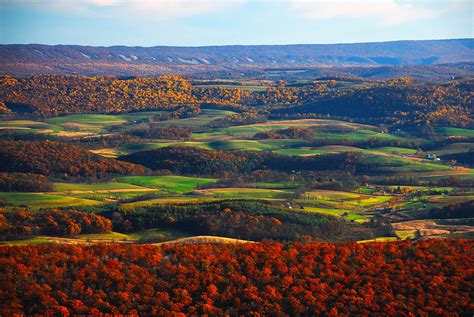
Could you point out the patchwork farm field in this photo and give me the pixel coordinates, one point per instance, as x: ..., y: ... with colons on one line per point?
x: 371, y: 199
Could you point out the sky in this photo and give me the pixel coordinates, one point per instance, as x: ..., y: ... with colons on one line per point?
x: 228, y: 22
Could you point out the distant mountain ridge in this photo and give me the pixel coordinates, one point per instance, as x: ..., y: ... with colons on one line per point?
x: 19, y: 59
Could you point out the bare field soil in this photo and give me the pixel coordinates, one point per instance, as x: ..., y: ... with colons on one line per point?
x: 427, y: 228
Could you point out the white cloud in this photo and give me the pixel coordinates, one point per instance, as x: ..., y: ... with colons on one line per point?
x: 384, y: 12
x: 154, y: 9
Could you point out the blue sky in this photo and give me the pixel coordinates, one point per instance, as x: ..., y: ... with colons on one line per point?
x: 224, y: 22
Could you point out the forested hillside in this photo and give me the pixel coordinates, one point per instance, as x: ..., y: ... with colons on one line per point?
x: 424, y: 278
x: 60, y: 160
x: 20, y: 224
x: 192, y: 160
x: 399, y: 102
x: 70, y: 94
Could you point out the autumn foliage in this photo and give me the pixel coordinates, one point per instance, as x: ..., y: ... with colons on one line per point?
x: 24, y: 182
x: 24, y: 224
x: 194, y: 160
x: 241, y: 219
x: 59, y: 159
x: 79, y: 94
x: 426, y: 278
x: 400, y: 101
x: 289, y: 133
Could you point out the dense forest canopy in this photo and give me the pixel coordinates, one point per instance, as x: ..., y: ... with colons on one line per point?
x: 18, y: 224
x: 72, y: 94
x: 431, y: 277
x: 400, y: 102
x: 59, y: 160
x: 24, y: 182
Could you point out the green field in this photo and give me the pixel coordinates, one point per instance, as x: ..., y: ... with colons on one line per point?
x: 158, y: 233
x: 76, y: 125
x: 131, y: 148
x: 83, y: 124
x: 400, y: 164
x: 170, y: 199
x: 206, y: 116
x: 395, y: 150
x: 40, y: 200
x: 331, y: 195
x: 449, y: 199
x: 248, y: 131
x: 28, y: 126
x: 246, y: 193
x: 177, y: 184
x: 454, y: 148
x: 32, y: 241
x: 302, y: 151
x: 102, y: 192
x: 423, y: 188
x: 465, y: 173
x: 116, y: 196
x: 97, y: 119
x: 359, y: 135
x: 348, y: 214
x: 339, y: 200
x: 279, y: 184
x: 64, y: 187
x: 379, y: 239
x: 137, y: 147
x: 102, y: 236
x: 241, y: 145
x: 155, y: 235
x: 450, y: 131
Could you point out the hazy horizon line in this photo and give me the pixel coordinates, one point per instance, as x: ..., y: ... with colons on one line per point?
x: 224, y: 45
